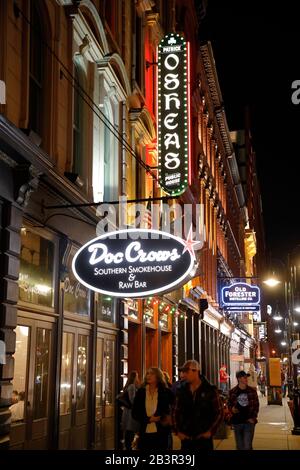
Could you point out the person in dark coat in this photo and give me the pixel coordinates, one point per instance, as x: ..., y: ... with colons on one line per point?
x: 129, y: 425
x: 152, y: 409
x: 198, y: 410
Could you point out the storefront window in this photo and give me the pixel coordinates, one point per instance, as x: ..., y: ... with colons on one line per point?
x: 108, y: 365
x: 20, y: 373
x: 163, y: 321
x: 131, y: 307
x: 81, y: 372
x: 99, y: 367
x: 36, y: 269
x: 66, y: 373
x: 76, y: 296
x: 148, y: 315
x: 41, y: 372
x: 106, y: 309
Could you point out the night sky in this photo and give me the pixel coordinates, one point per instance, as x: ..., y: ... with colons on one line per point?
x: 256, y: 46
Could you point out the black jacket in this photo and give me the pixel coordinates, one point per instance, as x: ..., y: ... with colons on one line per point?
x: 164, y: 403
x: 199, y: 412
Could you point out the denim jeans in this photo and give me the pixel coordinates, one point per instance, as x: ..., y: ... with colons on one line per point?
x: 244, y: 433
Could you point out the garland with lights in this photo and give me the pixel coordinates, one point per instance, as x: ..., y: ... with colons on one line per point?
x: 164, y: 307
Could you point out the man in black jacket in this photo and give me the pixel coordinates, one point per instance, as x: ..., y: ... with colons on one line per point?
x: 198, y: 410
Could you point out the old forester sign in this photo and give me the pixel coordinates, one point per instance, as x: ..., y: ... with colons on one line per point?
x: 134, y: 262
x: 241, y: 295
x: 173, y: 114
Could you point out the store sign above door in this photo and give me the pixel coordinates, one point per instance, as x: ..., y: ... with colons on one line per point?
x: 134, y: 263
x: 240, y: 295
x: 173, y: 114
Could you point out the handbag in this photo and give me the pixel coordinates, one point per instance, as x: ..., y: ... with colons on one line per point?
x: 123, y: 399
x: 166, y: 421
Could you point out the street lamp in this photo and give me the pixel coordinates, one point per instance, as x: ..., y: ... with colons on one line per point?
x: 290, y: 288
x: 272, y: 282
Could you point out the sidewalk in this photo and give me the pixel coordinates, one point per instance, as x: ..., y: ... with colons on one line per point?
x: 273, y: 430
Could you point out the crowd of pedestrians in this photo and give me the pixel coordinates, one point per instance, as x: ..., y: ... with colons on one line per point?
x: 190, y: 408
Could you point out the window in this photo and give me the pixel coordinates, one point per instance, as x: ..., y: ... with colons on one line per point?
x: 66, y: 373
x: 138, y: 51
x: 106, y: 309
x: 21, y: 361
x: 36, y: 70
x: 110, y: 157
x: 41, y: 376
x: 81, y: 382
x: 113, y: 17
x: 78, y: 120
x: 76, y: 295
x: 36, y: 278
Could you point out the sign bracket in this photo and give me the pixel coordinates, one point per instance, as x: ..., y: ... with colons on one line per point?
x: 120, y: 201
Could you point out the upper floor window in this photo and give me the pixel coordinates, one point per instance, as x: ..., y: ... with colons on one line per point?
x: 110, y: 158
x: 113, y: 17
x: 78, y: 121
x: 138, y: 51
x: 36, y: 71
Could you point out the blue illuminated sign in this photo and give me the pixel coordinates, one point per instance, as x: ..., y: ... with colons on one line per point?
x: 240, y: 294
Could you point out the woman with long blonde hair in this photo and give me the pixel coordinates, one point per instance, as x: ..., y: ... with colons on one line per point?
x: 152, y: 409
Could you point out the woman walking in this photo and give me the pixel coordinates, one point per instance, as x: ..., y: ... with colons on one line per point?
x: 152, y: 409
x: 129, y: 425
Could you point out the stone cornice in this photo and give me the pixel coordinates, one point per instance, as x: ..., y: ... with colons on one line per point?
x: 156, y: 31
x: 22, y: 150
x: 143, y: 6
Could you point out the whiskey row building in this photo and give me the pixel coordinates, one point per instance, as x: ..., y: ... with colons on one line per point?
x: 78, y: 125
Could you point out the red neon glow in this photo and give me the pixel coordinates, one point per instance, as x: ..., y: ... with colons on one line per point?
x: 156, y: 111
x: 189, y: 115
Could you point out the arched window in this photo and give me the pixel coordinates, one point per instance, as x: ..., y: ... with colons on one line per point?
x: 36, y: 71
x: 78, y: 120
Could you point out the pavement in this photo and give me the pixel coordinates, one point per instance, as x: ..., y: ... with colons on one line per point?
x: 272, y: 432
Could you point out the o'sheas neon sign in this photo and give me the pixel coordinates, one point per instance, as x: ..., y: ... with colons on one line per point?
x: 173, y: 114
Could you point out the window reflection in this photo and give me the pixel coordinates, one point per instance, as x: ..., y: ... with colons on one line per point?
x: 81, y: 372
x: 36, y: 269
x: 108, y: 370
x: 41, y: 375
x: 106, y: 309
x: 76, y: 296
x: 20, y: 373
x: 99, y: 365
x: 66, y: 374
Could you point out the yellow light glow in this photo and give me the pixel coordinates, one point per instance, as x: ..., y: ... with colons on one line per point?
x: 271, y: 282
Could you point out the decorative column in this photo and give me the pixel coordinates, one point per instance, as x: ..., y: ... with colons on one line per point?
x: 10, y: 225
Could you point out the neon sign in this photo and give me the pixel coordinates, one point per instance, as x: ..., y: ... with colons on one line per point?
x: 240, y: 294
x: 150, y: 262
x: 173, y: 114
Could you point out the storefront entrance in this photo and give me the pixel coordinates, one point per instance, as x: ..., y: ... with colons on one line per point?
x: 105, y: 391
x: 31, y: 421
x: 74, y: 388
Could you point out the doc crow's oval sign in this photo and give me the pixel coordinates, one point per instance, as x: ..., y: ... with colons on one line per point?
x: 133, y: 263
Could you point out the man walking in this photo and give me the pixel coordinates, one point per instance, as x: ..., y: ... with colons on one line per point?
x: 198, y: 409
x: 244, y: 405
